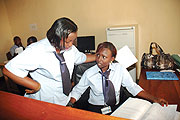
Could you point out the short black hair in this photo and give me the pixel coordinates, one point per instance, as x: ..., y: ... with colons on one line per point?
x: 108, y: 45
x: 16, y: 37
x: 31, y: 39
x: 60, y: 29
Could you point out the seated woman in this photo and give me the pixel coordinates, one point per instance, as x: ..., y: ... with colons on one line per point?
x: 105, y: 79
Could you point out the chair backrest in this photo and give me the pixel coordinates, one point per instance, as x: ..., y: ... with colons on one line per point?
x: 9, y: 56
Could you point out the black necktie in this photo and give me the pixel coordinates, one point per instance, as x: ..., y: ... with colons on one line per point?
x: 64, y: 74
x: 108, y: 89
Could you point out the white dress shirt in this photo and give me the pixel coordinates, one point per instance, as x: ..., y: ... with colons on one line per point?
x: 118, y: 75
x: 44, y: 67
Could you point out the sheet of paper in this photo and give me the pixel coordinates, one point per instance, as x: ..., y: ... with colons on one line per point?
x: 140, y: 109
x: 125, y: 57
x: 132, y: 108
x: 177, y: 116
x: 19, y: 50
x: 158, y: 112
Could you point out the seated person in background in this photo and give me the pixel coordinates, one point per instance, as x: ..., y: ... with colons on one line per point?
x: 105, y: 79
x: 17, y: 47
x: 31, y: 40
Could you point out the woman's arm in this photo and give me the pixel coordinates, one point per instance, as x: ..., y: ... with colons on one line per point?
x: 26, y: 81
x: 147, y: 96
x: 90, y: 57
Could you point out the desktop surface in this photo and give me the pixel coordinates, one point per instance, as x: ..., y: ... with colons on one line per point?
x: 167, y: 89
x: 15, y: 107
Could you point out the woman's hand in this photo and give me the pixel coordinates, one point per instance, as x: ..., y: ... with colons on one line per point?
x: 71, y: 102
x: 27, y: 82
x: 161, y: 101
x: 147, y: 96
x: 29, y: 91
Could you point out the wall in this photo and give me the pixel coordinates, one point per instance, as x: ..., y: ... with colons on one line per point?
x: 157, y: 20
x: 5, y: 31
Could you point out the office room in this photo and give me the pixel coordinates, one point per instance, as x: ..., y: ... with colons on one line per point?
x: 154, y: 21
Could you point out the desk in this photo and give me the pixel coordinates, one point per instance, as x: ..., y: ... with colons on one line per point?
x: 167, y: 89
x: 15, y: 107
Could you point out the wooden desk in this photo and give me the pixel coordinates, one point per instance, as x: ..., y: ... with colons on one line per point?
x: 15, y: 107
x: 167, y: 89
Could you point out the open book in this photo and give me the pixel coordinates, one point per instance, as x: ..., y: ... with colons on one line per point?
x: 139, y: 109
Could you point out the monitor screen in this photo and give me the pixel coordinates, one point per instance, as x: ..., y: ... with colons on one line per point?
x: 86, y: 43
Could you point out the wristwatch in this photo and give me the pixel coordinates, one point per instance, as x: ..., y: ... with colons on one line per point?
x: 70, y: 104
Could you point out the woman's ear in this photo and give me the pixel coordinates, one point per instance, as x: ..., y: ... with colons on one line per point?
x: 112, y: 59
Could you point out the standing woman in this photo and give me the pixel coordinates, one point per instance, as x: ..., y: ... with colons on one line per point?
x: 41, y: 61
x: 105, y: 80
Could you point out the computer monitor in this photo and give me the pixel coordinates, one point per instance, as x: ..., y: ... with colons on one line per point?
x: 86, y: 43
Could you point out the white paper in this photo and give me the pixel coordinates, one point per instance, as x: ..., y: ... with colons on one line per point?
x: 160, y: 113
x: 18, y: 50
x: 125, y: 57
x: 132, y: 108
x: 139, y: 109
x: 177, y: 116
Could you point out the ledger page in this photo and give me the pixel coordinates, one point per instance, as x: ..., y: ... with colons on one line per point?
x: 156, y: 111
x: 132, y: 108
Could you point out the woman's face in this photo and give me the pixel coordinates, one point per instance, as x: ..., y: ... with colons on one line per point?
x: 69, y: 41
x: 103, y: 58
x: 18, y: 42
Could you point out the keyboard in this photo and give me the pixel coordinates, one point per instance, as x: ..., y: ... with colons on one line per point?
x: 155, y: 75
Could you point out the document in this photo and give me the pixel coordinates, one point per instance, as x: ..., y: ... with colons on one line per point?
x: 125, y: 57
x: 19, y: 50
x: 139, y: 109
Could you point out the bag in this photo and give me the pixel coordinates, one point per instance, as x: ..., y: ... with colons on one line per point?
x: 158, y: 61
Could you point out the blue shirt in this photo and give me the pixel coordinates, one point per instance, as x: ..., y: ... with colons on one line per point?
x: 118, y: 76
x: 12, y: 49
x: 44, y: 67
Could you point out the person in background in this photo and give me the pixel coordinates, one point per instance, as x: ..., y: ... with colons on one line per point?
x: 17, y: 47
x: 105, y: 80
x: 31, y: 40
x: 43, y: 61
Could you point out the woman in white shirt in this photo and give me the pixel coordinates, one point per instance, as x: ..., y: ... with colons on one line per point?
x: 40, y: 61
x: 105, y: 55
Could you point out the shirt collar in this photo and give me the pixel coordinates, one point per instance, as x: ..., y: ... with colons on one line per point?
x: 111, y: 67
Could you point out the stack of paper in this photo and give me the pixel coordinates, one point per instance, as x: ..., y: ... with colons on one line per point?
x: 139, y: 109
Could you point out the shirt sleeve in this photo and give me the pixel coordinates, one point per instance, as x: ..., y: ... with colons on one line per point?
x: 23, y: 63
x: 79, y: 56
x: 128, y: 82
x: 80, y: 88
x: 12, y: 50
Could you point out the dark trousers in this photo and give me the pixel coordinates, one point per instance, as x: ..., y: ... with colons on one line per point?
x: 97, y: 108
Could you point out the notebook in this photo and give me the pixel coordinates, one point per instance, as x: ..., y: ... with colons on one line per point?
x: 155, y: 75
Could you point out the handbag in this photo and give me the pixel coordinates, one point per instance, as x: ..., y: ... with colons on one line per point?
x: 158, y: 61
